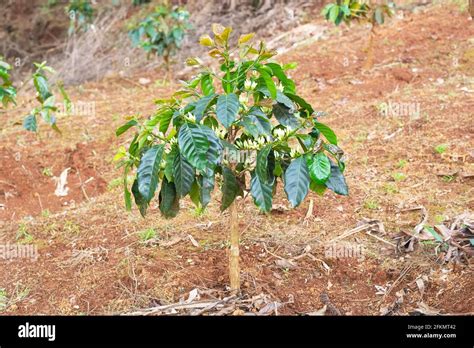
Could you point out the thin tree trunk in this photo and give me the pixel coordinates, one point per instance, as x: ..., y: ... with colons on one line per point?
x: 234, y: 267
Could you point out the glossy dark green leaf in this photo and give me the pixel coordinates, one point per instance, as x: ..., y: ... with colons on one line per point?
x: 168, y: 199
x: 297, y: 181
x: 193, y: 144
x: 41, y: 85
x: 165, y: 117
x: 206, y: 183
x: 227, y: 109
x: 336, y: 181
x: 169, y: 164
x: 262, y: 193
x: 284, y: 115
x: 261, y: 167
x: 148, y: 170
x: 29, y: 123
x: 230, y: 188
x: 214, y: 153
x: 183, y: 173
x: 139, y: 200
x: 256, y: 123
x: 202, y: 105
x: 301, y: 102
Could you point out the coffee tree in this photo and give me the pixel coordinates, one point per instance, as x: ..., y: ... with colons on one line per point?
x: 7, y: 90
x: 47, y: 101
x: 242, y: 127
x: 348, y: 11
x: 162, y: 32
x: 81, y: 14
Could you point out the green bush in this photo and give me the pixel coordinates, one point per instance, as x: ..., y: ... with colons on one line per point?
x: 7, y: 90
x: 162, y: 32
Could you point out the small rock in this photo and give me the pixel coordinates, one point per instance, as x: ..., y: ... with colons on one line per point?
x: 144, y: 81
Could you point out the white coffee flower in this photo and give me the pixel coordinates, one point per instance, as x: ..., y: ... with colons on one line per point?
x: 279, y: 133
x: 250, y: 85
x: 190, y: 117
x: 294, y: 153
x: 243, y: 99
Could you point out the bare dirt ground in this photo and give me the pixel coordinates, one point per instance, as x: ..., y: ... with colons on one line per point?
x: 93, y: 262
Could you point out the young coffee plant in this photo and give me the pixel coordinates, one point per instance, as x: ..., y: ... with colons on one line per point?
x: 366, y: 11
x: 7, y: 90
x: 46, y: 99
x: 80, y: 13
x: 162, y: 32
x: 243, y: 124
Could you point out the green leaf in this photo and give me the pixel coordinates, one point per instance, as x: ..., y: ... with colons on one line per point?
x: 126, y: 193
x: 195, y: 194
x: 257, y: 126
x: 230, y: 188
x: 202, y: 105
x: 297, y: 181
x: 256, y: 123
x: 147, y: 173
x: 206, y: 85
x: 214, y: 153
x: 318, y: 188
x: 327, y: 132
x: 268, y: 82
x: 261, y: 167
x: 284, y: 116
x: 193, y: 144
x: 288, y: 84
x: 41, y: 85
x: 30, y: 124
x: 139, y: 200
x: 262, y: 193
x: 333, y: 13
x: 183, y: 175
x: 227, y: 109
x: 67, y: 100
x: 168, y: 199
x: 206, y: 183
x: 280, y: 97
x: 434, y: 234
x: 125, y: 127
x: 169, y: 165
x: 164, y: 118
x: 336, y: 181
x: 378, y: 15
x: 301, y: 102
x: 319, y: 167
